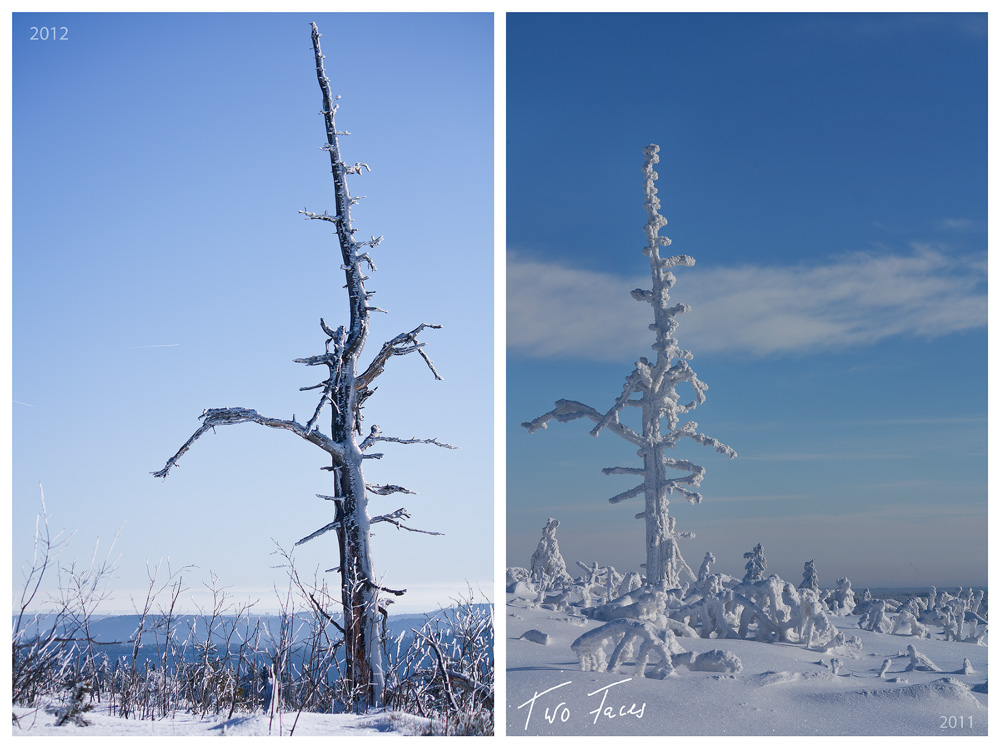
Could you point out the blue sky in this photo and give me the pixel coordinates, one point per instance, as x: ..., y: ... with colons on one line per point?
x: 160, y: 267
x: 829, y: 174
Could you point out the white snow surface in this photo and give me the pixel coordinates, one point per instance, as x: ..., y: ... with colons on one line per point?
x: 782, y: 689
x: 39, y: 722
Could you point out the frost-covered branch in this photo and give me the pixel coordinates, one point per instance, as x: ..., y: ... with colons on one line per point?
x: 400, y: 345
x: 386, y: 489
x: 402, y: 513
x: 375, y: 435
x: 213, y: 417
x: 569, y: 410
x: 321, y: 531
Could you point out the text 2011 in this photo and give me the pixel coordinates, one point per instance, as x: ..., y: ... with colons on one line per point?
x: 951, y: 722
x: 45, y: 33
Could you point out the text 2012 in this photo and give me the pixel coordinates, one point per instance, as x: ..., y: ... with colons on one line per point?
x: 46, y: 33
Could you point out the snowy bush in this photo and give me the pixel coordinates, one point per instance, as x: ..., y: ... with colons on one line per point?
x: 906, y: 623
x: 517, y: 574
x: 608, y: 647
x: 841, y: 600
x: 874, y: 618
x: 712, y: 661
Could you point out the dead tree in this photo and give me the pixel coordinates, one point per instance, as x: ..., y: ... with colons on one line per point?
x: 651, y: 387
x: 346, y: 388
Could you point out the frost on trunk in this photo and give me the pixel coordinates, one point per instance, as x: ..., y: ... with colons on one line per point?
x: 348, y: 384
x: 652, y: 388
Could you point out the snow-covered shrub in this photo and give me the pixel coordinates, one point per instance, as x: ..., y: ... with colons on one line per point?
x: 756, y: 565
x: 840, y: 644
x: 517, y: 574
x: 874, y: 618
x: 447, y: 672
x: 763, y: 604
x: 712, y: 661
x: 841, y: 600
x: 642, y: 605
x: 706, y: 568
x: 630, y: 582
x: 814, y: 628
x: 920, y: 661
x: 709, y: 616
x: 906, y: 623
x: 617, y: 642
x: 977, y: 602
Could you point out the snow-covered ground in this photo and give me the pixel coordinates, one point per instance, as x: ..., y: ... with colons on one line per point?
x: 40, y: 722
x: 782, y: 689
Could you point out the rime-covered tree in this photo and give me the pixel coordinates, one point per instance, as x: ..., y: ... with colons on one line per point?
x: 652, y: 388
x: 756, y: 564
x: 345, y: 389
x: 810, y: 578
x: 547, y: 563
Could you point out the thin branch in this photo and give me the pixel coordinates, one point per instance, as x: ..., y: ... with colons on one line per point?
x: 397, y: 440
x: 321, y: 531
x: 402, y: 513
x: 320, y: 217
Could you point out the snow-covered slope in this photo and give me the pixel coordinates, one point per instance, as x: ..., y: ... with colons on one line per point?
x: 40, y: 722
x: 782, y: 689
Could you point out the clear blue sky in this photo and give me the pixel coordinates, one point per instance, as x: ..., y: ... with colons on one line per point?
x: 829, y: 175
x: 160, y: 267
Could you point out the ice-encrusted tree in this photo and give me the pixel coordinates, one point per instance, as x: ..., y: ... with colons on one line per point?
x: 756, y: 564
x: 810, y: 578
x: 548, y: 567
x: 346, y: 388
x: 652, y: 388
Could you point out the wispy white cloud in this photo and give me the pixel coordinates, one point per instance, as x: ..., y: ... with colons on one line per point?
x: 850, y: 300
x: 162, y: 345
x: 965, y: 225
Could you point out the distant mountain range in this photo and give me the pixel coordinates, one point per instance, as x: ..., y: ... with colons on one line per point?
x: 120, y: 629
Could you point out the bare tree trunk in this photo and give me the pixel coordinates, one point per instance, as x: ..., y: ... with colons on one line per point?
x: 345, y: 391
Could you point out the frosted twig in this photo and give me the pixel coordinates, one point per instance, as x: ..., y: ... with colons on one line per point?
x: 320, y: 216
x: 397, y: 440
